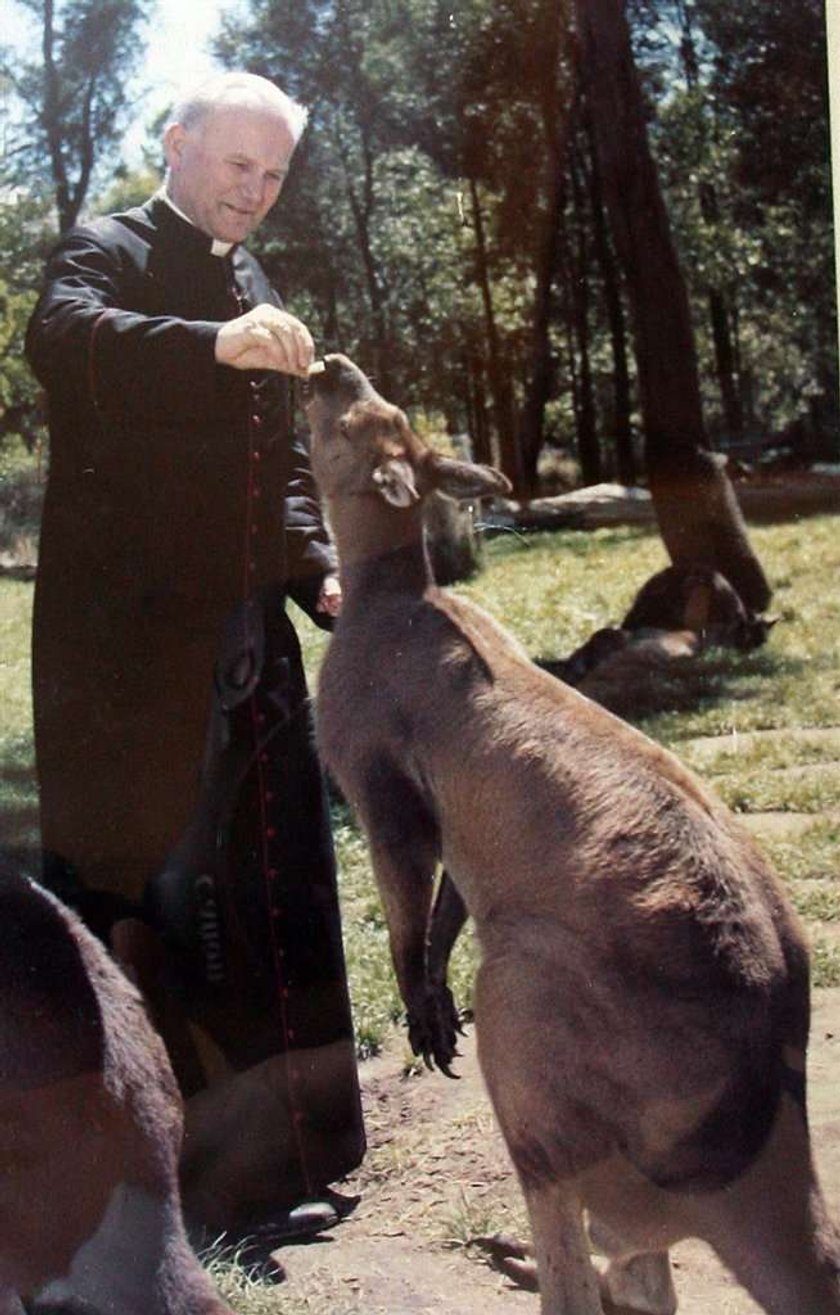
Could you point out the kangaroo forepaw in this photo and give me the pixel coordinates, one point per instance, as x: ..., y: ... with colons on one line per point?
x: 433, y: 1030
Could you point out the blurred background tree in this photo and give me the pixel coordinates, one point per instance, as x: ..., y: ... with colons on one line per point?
x: 64, y: 108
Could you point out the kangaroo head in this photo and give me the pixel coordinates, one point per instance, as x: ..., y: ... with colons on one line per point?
x: 362, y: 444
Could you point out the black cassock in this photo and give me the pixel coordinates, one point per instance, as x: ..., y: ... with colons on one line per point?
x: 173, y: 731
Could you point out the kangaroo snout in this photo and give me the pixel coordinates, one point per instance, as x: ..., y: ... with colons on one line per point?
x: 338, y: 380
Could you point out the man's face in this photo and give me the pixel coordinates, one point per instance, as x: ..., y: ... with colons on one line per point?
x: 226, y: 172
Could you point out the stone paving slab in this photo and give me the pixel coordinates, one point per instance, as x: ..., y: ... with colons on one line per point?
x: 786, y: 826
x: 705, y: 751
x: 705, y: 748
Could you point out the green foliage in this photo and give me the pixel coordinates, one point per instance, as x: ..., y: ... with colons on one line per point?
x: 376, y: 241
x: 427, y: 121
x: 741, y: 136
x: 17, y: 387
x: 71, y: 93
x: 129, y: 188
x: 25, y: 234
x: 63, y: 115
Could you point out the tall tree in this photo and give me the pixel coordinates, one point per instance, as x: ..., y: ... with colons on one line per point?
x: 330, y: 56
x: 519, y: 145
x: 696, y: 507
x: 74, y: 95
x: 738, y: 107
x: 720, y: 310
x: 426, y: 225
x: 578, y: 235
x: 621, y: 427
x: 769, y: 67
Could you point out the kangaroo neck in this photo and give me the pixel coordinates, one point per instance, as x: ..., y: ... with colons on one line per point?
x: 380, y: 547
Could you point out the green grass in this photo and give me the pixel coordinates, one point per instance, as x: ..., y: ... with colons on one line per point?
x: 809, y: 858
x: 18, y: 801
x: 248, y: 1293
x: 21, y: 494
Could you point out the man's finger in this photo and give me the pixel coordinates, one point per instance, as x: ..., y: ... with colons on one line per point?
x: 259, y: 331
x: 296, y: 341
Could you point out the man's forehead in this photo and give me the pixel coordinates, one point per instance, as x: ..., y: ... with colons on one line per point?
x: 249, y: 129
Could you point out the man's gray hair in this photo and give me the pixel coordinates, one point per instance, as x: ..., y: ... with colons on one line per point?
x: 247, y: 90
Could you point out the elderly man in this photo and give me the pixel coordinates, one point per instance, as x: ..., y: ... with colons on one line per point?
x: 180, y: 513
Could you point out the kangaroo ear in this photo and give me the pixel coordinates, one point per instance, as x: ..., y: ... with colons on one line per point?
x: 394, y: 480
x: 462, y: 479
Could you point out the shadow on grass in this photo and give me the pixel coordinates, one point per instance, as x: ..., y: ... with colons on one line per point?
x: 638, y: 685
x: 19, y: 836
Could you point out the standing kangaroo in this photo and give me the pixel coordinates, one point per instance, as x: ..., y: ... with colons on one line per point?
x: 90, y: 1130
x: 641, y: 1006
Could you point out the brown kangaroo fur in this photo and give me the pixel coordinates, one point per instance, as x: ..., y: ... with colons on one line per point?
x: 90, y: 1130
x: 642, y: 1001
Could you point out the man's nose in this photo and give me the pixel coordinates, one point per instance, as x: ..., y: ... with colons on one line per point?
x: 253, y: 189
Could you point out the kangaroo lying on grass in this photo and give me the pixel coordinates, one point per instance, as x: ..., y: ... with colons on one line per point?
x: 90, y: 1130
x: 641, y: 1007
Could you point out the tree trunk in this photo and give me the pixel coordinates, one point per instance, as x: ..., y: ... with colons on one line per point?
x: 698, y: 514
x: 733, y: 415
x: 52, y: 121
x: 539, y: 386
x: 725, y: 356
x: 569, y: 330
x: 622, y: 429
x: 477, y: 411
x: 589, y: 450
x: 500, y: 389
x: 556, y: 120
x: 725, y: 359
x: 362, y: 204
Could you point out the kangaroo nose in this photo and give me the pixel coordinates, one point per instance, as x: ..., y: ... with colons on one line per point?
x: 338, y: 378
x: 341, y: 373
x: 329, y: 374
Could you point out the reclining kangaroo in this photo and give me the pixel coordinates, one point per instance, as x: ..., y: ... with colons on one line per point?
x: 641, y: 1006
x: 90, y: 1130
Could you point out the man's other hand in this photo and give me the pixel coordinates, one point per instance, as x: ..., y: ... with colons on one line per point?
x: 329, y: 599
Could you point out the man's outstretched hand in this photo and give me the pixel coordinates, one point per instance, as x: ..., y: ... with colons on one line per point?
x: 266, y: 338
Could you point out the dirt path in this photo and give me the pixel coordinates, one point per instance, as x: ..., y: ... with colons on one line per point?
x: 437, y: 1175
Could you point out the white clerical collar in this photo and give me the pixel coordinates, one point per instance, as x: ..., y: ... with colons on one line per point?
x: 218, y: 247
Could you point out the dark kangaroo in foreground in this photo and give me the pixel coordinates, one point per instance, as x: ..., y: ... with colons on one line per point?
x: 90, y: 1129
x: 642, y: 1004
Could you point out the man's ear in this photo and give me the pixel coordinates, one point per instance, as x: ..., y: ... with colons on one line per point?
x: 462, y: 479
x: 173, y: 142
x: 394, y: 480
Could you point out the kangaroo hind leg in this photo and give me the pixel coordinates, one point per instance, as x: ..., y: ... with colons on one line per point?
x: 527, y: 1057
x: 567, y: 1278
x: 771, y: 1227
x: 634, y: 1282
